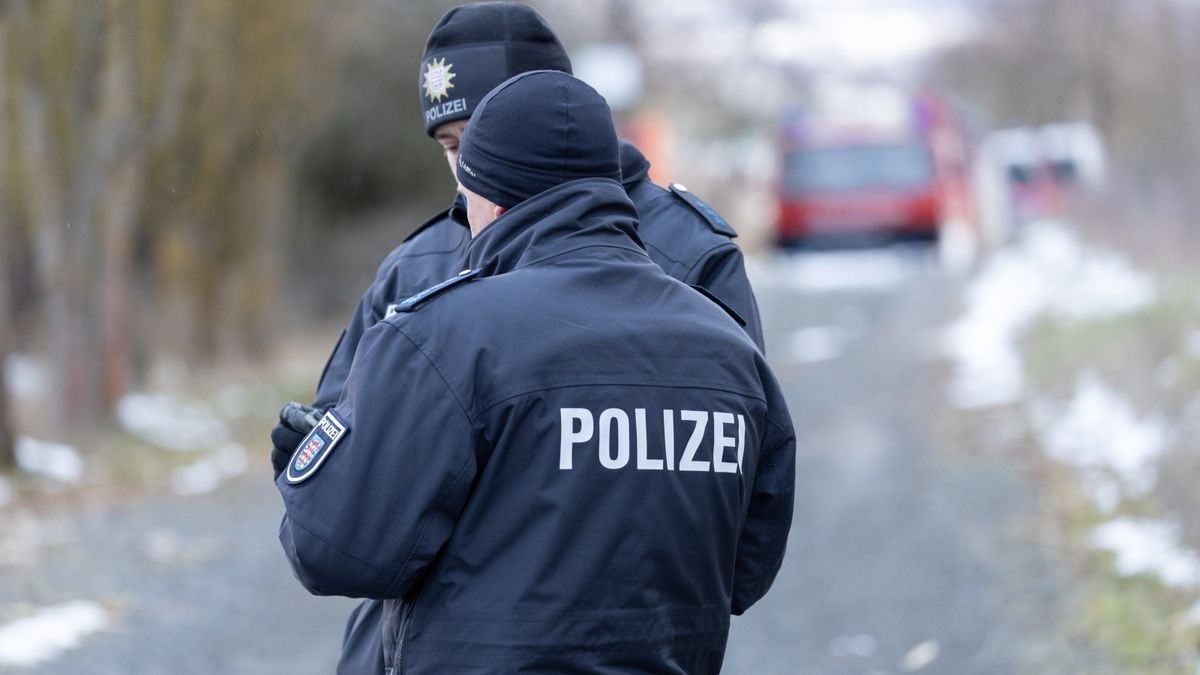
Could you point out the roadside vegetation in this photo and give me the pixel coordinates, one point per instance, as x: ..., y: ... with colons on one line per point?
x: 1106, y: 426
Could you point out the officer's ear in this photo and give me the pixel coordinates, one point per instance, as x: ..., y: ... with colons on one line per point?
x: 498, y: 211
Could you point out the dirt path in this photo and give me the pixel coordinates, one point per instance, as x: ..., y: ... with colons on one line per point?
x: 904, y: 557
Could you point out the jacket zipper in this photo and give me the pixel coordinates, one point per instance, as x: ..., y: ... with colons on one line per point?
x: 408, y: 612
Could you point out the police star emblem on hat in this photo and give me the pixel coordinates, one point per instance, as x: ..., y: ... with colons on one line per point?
x: 439, y: 79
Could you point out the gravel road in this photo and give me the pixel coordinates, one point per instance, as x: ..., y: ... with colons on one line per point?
x: 904, y: 556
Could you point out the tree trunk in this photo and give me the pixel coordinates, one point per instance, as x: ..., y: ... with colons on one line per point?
x: 7, y: 451
x: 86, y: 210
x: 7, y: 433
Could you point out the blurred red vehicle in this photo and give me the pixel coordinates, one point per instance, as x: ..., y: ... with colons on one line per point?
x: 855, y: 185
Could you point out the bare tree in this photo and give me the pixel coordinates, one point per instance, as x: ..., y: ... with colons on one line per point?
x: 7, y: 434
x: 1123, y: 65
x: 151, y: 177
x: 83, y: 141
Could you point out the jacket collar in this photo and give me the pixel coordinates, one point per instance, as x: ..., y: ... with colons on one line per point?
x: 458, y: 210
x: 634, y: 165
x: 574, y: 215
x: 457, y: 213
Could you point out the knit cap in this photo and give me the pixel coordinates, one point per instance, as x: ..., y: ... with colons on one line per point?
x: 475, y: 47
x: 536, y: 131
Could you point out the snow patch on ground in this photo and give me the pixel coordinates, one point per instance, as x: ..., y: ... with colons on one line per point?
x: 235, y: 400
x: 26, y: 538
x: 1146, y: 546
x: 1191, y: 345
x: 163, y: 546
x: 1099, y: 433
x: 49, y: 632
x: 1193, y: 614
x: 53, y: 460
x: 20, y: 540
x: 1168, y: 372
x: 1047, y: 272
x: 921, y: 656
x: 816, y: 343
x: 860, y: 645
x: 207, y: 474
x: 26, y: 377
x: 171, y: 422
x: 823, y: 343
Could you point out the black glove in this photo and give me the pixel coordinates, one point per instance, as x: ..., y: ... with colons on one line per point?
x: 295, y: 421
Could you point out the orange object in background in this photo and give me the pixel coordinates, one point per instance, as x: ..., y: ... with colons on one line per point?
x: 650, y: 131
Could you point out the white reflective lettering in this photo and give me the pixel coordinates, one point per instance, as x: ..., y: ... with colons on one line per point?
x: 644, y: 462
x: 331, y: 428
x: 741, y: 440
x: 669, y: 438
x: 687, y: 462
x: 720, y: 442
x: 618, y: 434
x: 569, y: 436
x: 607, y: 459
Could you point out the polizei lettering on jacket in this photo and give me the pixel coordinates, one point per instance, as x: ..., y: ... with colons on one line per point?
x: 692, y: 440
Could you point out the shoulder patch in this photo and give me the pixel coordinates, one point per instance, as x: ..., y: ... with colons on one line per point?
x: 315, y: 448
x: 714, y: 219
x: 412, y: 303
x: 719, y: 303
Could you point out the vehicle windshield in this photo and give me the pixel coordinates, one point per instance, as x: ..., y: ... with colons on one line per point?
x: 851, y: 167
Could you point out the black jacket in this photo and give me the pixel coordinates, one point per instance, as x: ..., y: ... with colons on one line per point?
x: 564, y: 461
x: 689, y: 240
x: 680, y: 233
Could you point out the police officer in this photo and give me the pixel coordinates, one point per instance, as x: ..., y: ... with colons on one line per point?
x: 561, y: 459
x: 470, y: 50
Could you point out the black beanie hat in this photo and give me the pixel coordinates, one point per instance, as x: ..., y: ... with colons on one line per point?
x: 536, y: 131
x: 475, y: 47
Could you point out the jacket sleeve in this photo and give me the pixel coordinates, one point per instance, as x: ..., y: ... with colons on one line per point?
x: 337, y: 368
x: 370, y: 310
x: 373, y: 514
x: 769, y: 518
x: 722, y: 272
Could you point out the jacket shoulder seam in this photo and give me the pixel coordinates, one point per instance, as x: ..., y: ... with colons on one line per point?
x: 708, y: 253
x: 779, y: 426
x: 436, y: 370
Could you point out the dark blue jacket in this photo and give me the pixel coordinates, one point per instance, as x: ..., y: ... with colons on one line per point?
x: 571, y: 463
x: 681, y: 233
x: 432, y: 253
x: 689, y: 240
x: 685, y: 237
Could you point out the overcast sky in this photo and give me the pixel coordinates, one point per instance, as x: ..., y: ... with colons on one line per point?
x: 862, y: 33
x: 823, y: 35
